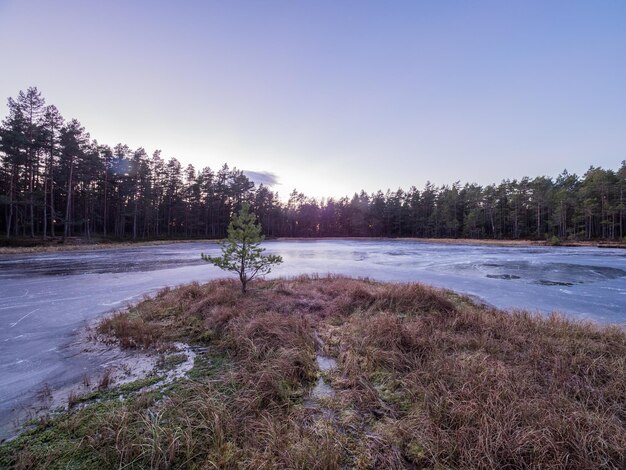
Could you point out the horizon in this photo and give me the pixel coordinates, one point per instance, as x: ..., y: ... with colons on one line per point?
x: 270, y: 180
x: 335, y: 99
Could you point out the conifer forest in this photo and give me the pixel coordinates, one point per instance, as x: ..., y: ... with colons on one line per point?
x: 57, y: 182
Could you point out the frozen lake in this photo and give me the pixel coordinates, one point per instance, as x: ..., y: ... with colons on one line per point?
x: 44, y: 298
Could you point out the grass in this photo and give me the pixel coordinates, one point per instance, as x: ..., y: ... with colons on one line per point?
x: 424, y: 379
x: 104, y: 393
x: 37, y: 245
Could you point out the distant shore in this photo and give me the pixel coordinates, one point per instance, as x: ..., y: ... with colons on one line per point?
x: 80, y: 244
x: 477, y: 241
x: 486, y: 241
x: 89, y: 246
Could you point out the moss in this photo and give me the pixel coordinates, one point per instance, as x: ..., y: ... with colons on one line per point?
x: 415, y: 452
x: 394, y: 395
x: 207, y: 365
x: 137, y: 385
x: 171, y: 361
x: 123, y: 390
x: 59, y: 443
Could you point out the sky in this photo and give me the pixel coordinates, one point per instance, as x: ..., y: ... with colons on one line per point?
x: 333, y: 97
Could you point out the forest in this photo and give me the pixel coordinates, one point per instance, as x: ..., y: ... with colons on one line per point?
x: 57, y: 182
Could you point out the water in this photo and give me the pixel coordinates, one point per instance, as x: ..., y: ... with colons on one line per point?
x: 325, y: 363
x: 321, y: 388
x: 45, y: 298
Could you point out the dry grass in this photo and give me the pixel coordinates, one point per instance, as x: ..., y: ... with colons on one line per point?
x: 478, y: 389
x: 130, y: 331
x: 106, y: 379
x: 25, y: 246
x: 425, y: 379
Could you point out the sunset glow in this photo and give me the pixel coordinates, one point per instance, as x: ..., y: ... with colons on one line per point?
x: 351, y: 91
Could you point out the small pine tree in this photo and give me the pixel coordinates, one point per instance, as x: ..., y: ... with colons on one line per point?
x: 241, y: 251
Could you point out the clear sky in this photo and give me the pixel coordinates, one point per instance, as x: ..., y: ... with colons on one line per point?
x: 333, y: 97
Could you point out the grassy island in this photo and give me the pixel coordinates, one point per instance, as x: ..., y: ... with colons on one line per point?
x: 348, y: 373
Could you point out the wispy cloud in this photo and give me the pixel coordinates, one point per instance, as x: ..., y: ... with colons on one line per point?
x: 265, y: 178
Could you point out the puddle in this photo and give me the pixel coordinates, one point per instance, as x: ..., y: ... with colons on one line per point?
x: 325, y: 363
x: 321, y: 390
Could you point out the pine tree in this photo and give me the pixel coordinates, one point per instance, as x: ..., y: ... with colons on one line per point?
x: 241, y: 251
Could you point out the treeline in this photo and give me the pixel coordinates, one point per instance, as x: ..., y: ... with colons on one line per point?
x: 55, y: 181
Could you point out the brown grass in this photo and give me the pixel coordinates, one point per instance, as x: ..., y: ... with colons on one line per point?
x: 483, y: 390
x: 425, y: 379
x: 82, y: 244
x: 106, y: 379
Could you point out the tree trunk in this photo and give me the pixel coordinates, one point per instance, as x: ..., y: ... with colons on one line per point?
x: 52, y: 213
x: 10, y: 215
x: 242, y: 271
x: 45, y: 206
x: 87, y: 221
x: 104, y: 212
x: 135, y: 218
x: 32, y: 201
x: 538, y: 220
x: 68, y: 205
x: 169, y: 216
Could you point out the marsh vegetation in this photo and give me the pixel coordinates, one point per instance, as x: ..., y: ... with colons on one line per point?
x: 420, y: 378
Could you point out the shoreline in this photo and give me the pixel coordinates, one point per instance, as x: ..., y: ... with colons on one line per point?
x: 443, y: 241
x: 471, y: 241
x: 106, y: 366
x: 6, y: 250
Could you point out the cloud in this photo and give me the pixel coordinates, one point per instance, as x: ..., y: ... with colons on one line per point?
x: 262, y: 177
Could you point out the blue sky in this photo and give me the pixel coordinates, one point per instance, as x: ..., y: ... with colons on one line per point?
x: 334, y: 97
